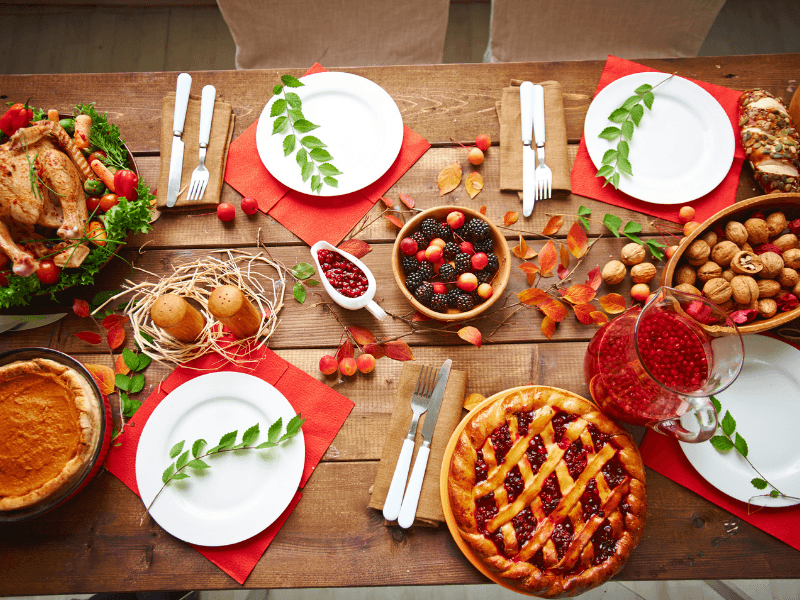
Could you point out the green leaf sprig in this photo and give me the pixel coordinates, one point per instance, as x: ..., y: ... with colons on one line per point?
x: 631, y: 228
x: 628, y: 116
x: 733, y: 440
x: 193, y: 458
x: 312, y: 157
x: 302, y: 273
x: 131, y: 384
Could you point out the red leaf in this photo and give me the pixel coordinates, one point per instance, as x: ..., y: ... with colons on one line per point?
x: 418, y: 316
x: 407, y: 200
x: 375, y: 349
x: 362, y: 335
x: 787, y: 301
x: 112, y: 321
x: 104, y: 377
x: 612, y: 303
x: 599, y: 318
x: 548, y: 327
x: 743, y: 316
x: 387, y: 202
x: 394, y: 221
x: 548, y: 259
x: 553, y: 309
x: 577, y: 241
x: 530, y: 271
x: 553, y: 225
x: 344, y: 351
x: 472, y: 335
x: 89, y: 337
x: 579, y: 294
x: 562, y: 272
x: 594, y: 279
x: 482, y: 210
x: 398, y: 350
x: 583, y: 312
x: 523, y: 251
x: 115, y: 337
x: 564, y: 256
x: 120, y: 367
x: 80, y: 307
x: 532, y: 296
x: 357, y: 248
x: 510, y: 218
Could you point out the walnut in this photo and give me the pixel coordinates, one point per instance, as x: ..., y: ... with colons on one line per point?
x: 643, y: 272
x: 709, y: 270
x: 746, y: 263
x: 723, y: 253
x: 767, y: 307
x: 614, y: 272
x: 791, y: 258
x: 697, y: 253
x: 717, y: 290
x: 728, y: 274
x: 688, y: 288
x: 685, y: 274
x: 767, y: 288
x: 736, y: 232
x: 757, y: 232
x: 776, y: 222
x: 796, y: 290
x: 633, y: 254
x: 744, y: 289
x: 729, y: 306
x: 772, y: 263
x: 749, y: 306
x: 710, y: 238
x: 788, y: 278
x: 747, y: 247
x: 786, y: 242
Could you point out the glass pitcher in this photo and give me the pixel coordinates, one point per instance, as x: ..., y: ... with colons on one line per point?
x: 658, y: 365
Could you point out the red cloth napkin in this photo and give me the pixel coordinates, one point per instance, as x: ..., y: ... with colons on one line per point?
x: 663, y: 454
x: 310, y: 217
x: 325, y: 411
x: 586, y: 184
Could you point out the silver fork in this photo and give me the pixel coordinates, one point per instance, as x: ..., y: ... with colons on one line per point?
x: 197, y: 187
x: 426, y: 382
x: 544, y: 176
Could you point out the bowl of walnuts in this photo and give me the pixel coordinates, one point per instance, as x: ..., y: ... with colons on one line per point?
x: 746, y: 259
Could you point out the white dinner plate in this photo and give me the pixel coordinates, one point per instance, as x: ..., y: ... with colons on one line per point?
x: 765, y: 402
x: 682, y: 148
x: 243, y: 492
x: 358, y: 121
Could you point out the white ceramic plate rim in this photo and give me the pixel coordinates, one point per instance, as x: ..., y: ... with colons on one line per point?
x: 758, y: 419
x: 715, y: 135
x: 181, y: 509
x: 384, y: 143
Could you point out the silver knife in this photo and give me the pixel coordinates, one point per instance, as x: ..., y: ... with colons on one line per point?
x: 176, y: 160
x: 411, y: 499
x: 528, y: 156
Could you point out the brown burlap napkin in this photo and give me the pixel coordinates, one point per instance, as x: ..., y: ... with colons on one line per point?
x: 555, y: 147
x: 217, y: 153
x: 429, y: 511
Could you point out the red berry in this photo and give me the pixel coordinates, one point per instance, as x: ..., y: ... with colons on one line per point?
x: 348, y: 366
x: 475, y: 156
x: 438, y: 242
x: 485, y: 290
x: 365, y: 363
x: 483, y: 141
x: 439, y: 288
x: 455, y: 219
x: 226, y: 212
x: 686, y: 214
x: 466, y: 248
x: 479, y: 260
x: 420, y: 255
x: 328, y: 365
x: 249, y: 205
x: 408, y: 246
x: 433, y: 253
x: 467, y: 281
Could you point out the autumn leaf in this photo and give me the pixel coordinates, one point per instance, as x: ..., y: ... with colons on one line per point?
x: 407, y: 200
x: 358, y: 248
x: 472, y: 401
x: 593, y: 279
x: 362, y: 335
x: 562, y: 272
x: 530, y: 271
x: 398, y: 350
x: 89, y: 337
x: 115, y: 337
x: 532, y: 296
x: 548, y: 327
x: 553, y: 309
x: 563, y: 256
x: 104, y: 377
x: 394, y: 221
x: 449, y: 178
x: 548, y: 259
x: 472, y: 335
x: 580, y: 294
x: 375, y: 349
x: 418, y: 316
x: 583, y: 312
x: 482, y: 210
x: 344, y: 351
x: 612, y: 303
x: 120, y: 367
x: 389, y: 203
x: 599, y: 318
x: 510, y: 218
x: 112, y: 321
x: 473, y: 184
x: 553, y: 225
x: 523, y: 251
x: 577, y: 241
x: 80, y: 307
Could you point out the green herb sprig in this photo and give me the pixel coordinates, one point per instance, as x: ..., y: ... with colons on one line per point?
x: 311, y: 156
x: 628, y: 116
x: 631, y: 228
x: 193, y: 458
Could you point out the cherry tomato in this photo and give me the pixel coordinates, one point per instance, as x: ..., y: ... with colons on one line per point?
x: 92, y: 204
x: 48, y: 272
x: 249, y: 205
x: 108, y: 202
x: 96, y: 154
x: 125, y: 184
x: 226, y: 212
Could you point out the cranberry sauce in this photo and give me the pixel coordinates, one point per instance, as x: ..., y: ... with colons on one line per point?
x: 501, y: 441
x: 590, y: 501
x: 481, y: 468
x: 342, y: 274
x: 604, y: 543
x: 486, y: 510
x: 514, y: 484
x: 524, y: 525
x: 550, y: 494
x: 562, y: 536
x: 536, y: 453
x: 560, y: 423
x: 575, y: 459
x: 614, y: 472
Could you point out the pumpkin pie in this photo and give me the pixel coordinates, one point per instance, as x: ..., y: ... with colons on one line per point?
x: 49, y: 430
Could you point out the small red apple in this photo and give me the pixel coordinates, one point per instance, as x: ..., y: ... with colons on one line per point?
x: 466, y: 248
x: 437, y: 242
x: 467, y: 282
x: 439, y: 288
x: 485, y: 290
x: 475, y: 156
x: 226, y: 212
x: 328, y: 365
x: 408, y: 246
x: 365, y: 363
x: 455, y: 219
x: 479, y: 260
x: 433, y: 253
x: 420, y: 255
x: 348, y: 366
x: 483, y: 141
x: 249, y: 205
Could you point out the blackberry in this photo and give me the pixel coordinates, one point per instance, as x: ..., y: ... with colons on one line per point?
x: 425, y: 268
x: 447, y: 273
x: 421, y: 239
x: 451, y: 250
x: 465, y: 303
x: 486, y: 245
x: 444, y: 232
x: 460, y: 233
x: 429, y: 228
x: 463, y: 263
x: 410, y: 264
x: 452, y: 297
x: 424, y: 292
x: 439, y: 302
x: 414, y: 280
x: 484, y: 275
x: 477, y: 230
x: 494, y: 263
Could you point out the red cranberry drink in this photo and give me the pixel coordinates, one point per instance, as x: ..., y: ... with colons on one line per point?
x: 345, y: 277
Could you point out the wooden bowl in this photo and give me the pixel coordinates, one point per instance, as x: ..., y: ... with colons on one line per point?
x: 498, y: 283
x: 788, y: 203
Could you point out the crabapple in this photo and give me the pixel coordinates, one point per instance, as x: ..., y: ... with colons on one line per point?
x: 348, y: 366
x: 365, y: 363
x: 475, y: 156
x: 328, y: 365
x: 483, y: 141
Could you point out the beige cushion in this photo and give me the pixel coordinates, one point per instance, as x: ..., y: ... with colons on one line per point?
x: 336, y: 33
x: 545, y: 30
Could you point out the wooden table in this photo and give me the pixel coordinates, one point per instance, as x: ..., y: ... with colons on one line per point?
x: 95, y: 543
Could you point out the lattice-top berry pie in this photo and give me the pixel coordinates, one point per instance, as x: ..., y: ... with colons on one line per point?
x: 547, y: 491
